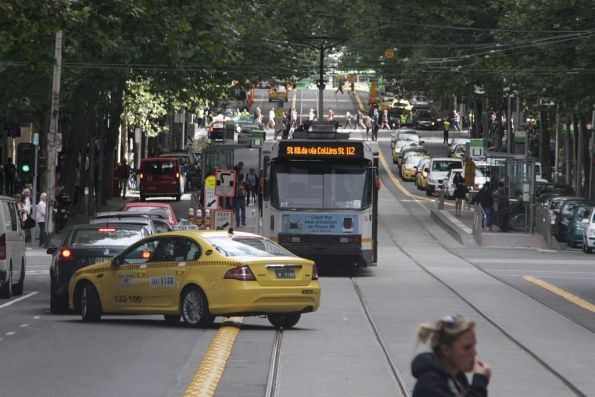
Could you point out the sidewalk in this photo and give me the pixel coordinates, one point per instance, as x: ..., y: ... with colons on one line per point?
x: 461, y: 228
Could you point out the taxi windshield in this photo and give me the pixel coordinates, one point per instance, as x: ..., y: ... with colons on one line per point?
x: 107, y: 236
x: 445, y: 165
x: 409, y: 137
x: 159, y: 211
x: 231, y: 248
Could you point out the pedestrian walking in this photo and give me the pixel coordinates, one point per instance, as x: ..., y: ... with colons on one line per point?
x: 375, y: 123
x: 294, y: 118
x: 258, y: 115
x: 445, y: 128
x: 122, y: 173
x: 359, y: 120
x: 340, y: 87
x: 40, y: 218
x: 349, y: 118
x: 485, y: 199
x: 10, y: 172
x: 503, y: 206
x: 385, y: 120
x: 460, y: 192
x: 252, y: 184
x: 442, y: 372
x: 331, y: 114
x: 271, y: 122
x: 240, y: 201
x: 311, y: 115
x: 26, y: 197
x: 456, y: 120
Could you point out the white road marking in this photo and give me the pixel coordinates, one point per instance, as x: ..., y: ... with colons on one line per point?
x: 37, y: 272
x: 542, y: 261
x: 36, y: 318
x: 11, y: 333
x: 29, y: 295
x: 24, y: 325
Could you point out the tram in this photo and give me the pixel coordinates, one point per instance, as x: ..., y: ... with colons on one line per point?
x: 320, y: 197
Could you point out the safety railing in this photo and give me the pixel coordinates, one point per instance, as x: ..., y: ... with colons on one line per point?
x: 479, y: 218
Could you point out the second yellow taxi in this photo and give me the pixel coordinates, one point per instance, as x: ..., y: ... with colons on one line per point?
x: 197, y: 275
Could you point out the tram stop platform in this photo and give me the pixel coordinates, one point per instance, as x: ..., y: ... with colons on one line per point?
x: 462, y: 229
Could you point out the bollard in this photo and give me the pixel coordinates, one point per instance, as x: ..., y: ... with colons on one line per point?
x: 441, y: 199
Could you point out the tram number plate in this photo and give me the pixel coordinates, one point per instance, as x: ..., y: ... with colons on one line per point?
x: 285, y: 273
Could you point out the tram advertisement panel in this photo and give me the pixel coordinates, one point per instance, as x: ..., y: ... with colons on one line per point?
x: 323, y: 223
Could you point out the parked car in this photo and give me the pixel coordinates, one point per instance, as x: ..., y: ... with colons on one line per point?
x: 449, y: 186
x: 12, y: 249
x: 589, y: 233
x: 578, y: 219
x: 562, y: 220
x: 542, y: 188
x: 85, y: 245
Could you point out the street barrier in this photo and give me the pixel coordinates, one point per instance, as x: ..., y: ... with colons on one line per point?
x: 479, y: 217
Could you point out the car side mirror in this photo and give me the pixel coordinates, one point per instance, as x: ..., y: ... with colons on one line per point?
x: 51, y: 250
x: 426, y: 169
x: 116, y: 261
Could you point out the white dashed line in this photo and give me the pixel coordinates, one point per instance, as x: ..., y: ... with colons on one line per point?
x: 11, y: 333
x: 30, y: 294
x: 24, y: 325
x: 36, y: 318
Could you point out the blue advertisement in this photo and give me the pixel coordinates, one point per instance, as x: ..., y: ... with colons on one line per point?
x: 320, y: 223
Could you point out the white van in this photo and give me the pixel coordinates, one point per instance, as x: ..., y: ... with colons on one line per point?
x: 12, y: 249
x: 437, y: 170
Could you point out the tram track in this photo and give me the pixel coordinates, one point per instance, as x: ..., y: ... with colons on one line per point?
x: 480, y: 312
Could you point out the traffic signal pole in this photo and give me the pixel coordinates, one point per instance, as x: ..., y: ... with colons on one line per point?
x: 54, y: 116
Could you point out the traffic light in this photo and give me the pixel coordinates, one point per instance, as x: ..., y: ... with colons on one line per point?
x: 26, y: 161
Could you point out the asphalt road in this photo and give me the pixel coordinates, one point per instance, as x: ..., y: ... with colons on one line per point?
x: 537, y: 341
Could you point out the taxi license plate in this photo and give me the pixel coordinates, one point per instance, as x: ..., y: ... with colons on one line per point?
x: 285, y: 273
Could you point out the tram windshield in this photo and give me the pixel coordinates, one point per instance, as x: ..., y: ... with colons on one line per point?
x: 317, y: 186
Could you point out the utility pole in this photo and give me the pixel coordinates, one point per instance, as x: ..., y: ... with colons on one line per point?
x: 54, y: 117
x: 508, y: 124
x: 557, y: 143
x: 321, y: 85
x: 592, y: 156
x: 580, y: 159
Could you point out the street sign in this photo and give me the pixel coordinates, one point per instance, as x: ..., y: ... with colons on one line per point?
x: 476, y: 148
x: 225, y: 182
x: 221, y: 219
x: 210, y: 198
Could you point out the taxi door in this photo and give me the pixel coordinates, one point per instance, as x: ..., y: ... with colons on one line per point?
x: 124, y: 288
x: 168, y: 270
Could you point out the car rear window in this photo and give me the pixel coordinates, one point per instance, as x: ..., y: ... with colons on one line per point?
x: 110, y: 236
x: 446, y: 165
x: 409, y: 137
x: 264, y: 245
x: 230, y: 248
x: 159, y: 167
x: 160, y: 211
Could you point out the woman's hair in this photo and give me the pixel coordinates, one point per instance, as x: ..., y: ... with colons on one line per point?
x: 443, y: 332
x: 43, y: 195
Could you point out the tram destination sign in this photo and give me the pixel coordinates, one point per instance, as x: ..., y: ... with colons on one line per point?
x: 321, y: 150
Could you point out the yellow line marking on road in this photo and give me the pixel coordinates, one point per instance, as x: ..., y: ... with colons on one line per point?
x: 208, y: 375
x: 561, y: 293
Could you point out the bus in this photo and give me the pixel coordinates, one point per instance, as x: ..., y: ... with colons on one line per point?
x: 320, y: 197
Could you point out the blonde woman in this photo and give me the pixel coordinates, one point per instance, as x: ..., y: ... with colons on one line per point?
x: 441, y: 372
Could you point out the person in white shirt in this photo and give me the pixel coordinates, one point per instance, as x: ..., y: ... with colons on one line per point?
x: 271, y: 123
x: 40, y: 217
x: 27, y: 211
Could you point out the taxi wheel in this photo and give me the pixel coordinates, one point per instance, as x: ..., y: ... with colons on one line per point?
x: 5, y: 288
x: 284, y: 320
x: 172, y: 318
x: 195, y: 310
x: 17, y: 289
x: 90, y: 304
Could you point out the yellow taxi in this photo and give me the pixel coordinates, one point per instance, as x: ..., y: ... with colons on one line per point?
x: 421, y: 176
x: 409, y: 166
x: 278, y: 92
x: 197, y: 275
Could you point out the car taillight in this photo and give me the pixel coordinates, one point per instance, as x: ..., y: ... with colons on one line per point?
x: 106, y: 229
x: 141, y: 175
x: 3, y: 247
x: 211, y: 129
x: 177, y: 174
x: 314, y: 273
x: 66, y: 254
x: 242, y: 273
